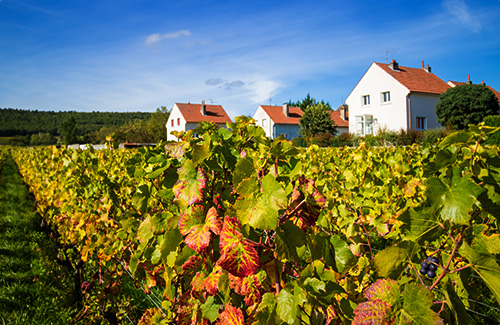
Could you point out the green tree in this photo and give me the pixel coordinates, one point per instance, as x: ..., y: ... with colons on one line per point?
x: 68, y: 130
x: 304, y: 103
x: 466, y: 104
x: 316, y: 122
x: 156, y: 124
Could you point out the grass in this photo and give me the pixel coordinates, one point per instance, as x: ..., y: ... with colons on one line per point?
x: 34, y: 289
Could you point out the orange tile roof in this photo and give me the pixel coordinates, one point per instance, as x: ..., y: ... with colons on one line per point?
x: 214, y: 113
x: 276, y: 114
x: 416, y: 80
x: 338, y: 120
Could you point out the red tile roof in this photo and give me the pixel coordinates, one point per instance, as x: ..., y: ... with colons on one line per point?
x: 416, y: 80
x: 214, y: 113
x: 338, y: 120
x: 276, y: 114
x: 459, y: 83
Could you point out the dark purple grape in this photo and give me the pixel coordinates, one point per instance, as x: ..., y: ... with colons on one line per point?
x: 433, y: 259
x: 433, y: 267
x: 423, y: 271
x: 424, y: 265
x: 431, y: 274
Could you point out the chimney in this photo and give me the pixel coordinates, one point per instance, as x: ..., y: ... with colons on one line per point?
x: 203, y: 108
x: 286, y: 109
x: 426, y: 68
x: 468, y: 80
x: 394, y: 65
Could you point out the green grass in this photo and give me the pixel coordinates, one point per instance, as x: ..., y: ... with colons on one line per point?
x: 34, y: 289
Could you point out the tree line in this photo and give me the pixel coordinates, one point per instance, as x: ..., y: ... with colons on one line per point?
x: 33, y: 127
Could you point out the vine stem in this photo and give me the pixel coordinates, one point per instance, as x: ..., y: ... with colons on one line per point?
x: 418, y: 274
x: 446, y: 268
x: 293, y: 211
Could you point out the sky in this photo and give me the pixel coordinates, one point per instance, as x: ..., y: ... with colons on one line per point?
x: 138, y: 55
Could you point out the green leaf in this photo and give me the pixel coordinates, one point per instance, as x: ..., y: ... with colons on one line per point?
x: 456, y: 137
x: 417, y: 303
x: 259, y: 208
x: 455, y: 303
x: 145, y: 231
x: 210, y: 310
x: 289, y: 237
x: 244, y: 169
x: 140, y: 199
x: 456, y: 201
x: 485, y: 266
x: 157, y: 172
x: 343, y: 254
x: 391, y: 261
x: 420, y: 224
x: 170, y: 243
x: 287, y: 308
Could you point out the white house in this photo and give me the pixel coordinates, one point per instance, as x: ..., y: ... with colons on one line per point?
x: 276, y: 120
x: 394, y: 97
x: 184, y: 117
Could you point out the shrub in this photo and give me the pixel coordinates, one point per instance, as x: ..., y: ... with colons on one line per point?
x: 494, y: 120
x: 432, y: 136
x: 409, y: 137
x: 387, y: 137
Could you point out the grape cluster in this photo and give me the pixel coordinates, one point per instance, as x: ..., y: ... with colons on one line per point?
x: 429, y: 266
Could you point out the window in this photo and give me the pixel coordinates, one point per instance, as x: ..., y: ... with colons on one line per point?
x: 364, y: 124
x: 421, y: 123
x: 264, y: 122
x: 365, y: 100
x: 178, y: 121
x: 386, y: 97
x: 172, y: 122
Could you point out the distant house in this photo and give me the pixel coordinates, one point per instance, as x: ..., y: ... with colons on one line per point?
x: 341, y: 119
x: 184, y: 117
x: 469, y: 82
x: 276, y: 120
x: 394, y: 97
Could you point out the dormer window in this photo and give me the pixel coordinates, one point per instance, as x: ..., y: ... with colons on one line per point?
x: 365, y: 100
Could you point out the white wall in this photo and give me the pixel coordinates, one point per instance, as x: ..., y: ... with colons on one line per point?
x: 259, y: 116
x: 392, y: 115
x: 175, y: 114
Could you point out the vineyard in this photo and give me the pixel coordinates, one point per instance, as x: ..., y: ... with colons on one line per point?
x: 233, y: 228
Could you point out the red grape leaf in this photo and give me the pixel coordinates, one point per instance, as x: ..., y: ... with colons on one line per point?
x: 189, y: 188
x: 238, y: 255
x: 371, y: 312
x: 196, y: 226
x: 231, y: 316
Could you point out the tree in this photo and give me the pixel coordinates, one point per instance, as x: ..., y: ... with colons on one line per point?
x: 466, y: 104
x: 68, y: 130
x: 156, y: 124
x: 317, y: 122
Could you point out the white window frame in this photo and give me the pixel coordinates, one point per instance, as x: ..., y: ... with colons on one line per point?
x: 365, y: 100
x: 365, y: 124
x: 385, y: 97
x: 264, y: 120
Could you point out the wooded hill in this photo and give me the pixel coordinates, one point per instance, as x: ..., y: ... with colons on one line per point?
x: 24, y: 127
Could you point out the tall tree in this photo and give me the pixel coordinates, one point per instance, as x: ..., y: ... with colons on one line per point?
x: 156, y: 124
x: 68, y: 130
x: 466, y: 104
x: 317, y: 120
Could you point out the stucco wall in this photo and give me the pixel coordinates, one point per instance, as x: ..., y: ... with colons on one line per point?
x: 174, y: 115
x: 290, y: 131
x: 424, y: 105
x: 259, y: 116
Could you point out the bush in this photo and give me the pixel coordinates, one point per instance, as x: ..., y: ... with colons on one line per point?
x: 387, y: 137
x: 432, y: 136
x: 299, y: 142
x: 494, y: 120
x: 322, y: 140
x: 409, y: 137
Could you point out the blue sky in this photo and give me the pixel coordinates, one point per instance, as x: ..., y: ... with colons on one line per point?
x: 137, y: 55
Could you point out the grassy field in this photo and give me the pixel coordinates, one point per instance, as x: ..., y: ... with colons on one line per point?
x: 33, y: 287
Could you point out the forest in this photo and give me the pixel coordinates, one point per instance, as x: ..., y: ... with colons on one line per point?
x: 33, y: 127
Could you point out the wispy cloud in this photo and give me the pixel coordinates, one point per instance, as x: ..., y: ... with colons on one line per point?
x: 157, y: 37
x: 221, y: 83
x: 462, y: 13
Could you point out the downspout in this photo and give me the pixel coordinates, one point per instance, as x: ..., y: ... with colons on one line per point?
x: 409, y: 112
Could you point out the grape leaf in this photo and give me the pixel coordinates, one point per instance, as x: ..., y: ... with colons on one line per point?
x: 371, y: 312
x: 417, y: 303
x: 231, y: 316
x: 210, y: 310
x: 196, y: 226
x: 390, y: 262
x: 189, y: 188
x: 257, y: 207
x: 456, y: 200
x: 238, y: 255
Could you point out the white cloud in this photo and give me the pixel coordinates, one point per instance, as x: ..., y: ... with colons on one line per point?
x: 462, y: 13
x: 157, y: 37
